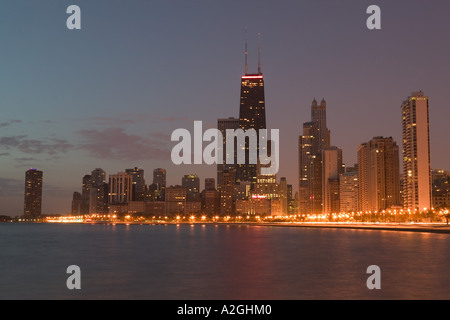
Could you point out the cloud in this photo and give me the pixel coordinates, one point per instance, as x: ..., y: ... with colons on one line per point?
x: 25, y: 159
x: 8, y: 123
x: 4, y: 154
x: 109, y: 121
x: 115, y: 143
x: 34, y: 146
x: 11, y: 187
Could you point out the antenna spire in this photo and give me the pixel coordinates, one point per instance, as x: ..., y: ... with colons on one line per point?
x: 246, y: 52
x: 259, y: 53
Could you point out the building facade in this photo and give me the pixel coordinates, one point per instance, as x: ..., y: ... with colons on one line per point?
x: 33, y: 193
x: 379, y: 175
x: 416, y: 153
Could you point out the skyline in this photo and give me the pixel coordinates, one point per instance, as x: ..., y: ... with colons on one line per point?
x: 99, y: 113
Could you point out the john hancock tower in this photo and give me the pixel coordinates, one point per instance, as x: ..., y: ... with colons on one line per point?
x: 252, y: 115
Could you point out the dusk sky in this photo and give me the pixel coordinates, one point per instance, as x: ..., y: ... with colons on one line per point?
x: 109, y: 95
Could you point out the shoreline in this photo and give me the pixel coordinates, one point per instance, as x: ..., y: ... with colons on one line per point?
x: 439, y: 228
x: 399, y: 227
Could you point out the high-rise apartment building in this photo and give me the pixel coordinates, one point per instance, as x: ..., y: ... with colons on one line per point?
x: 331, y: 170
x: 175, y: 201
x: 441, y: 189
x: 98, y: 192
x: 379, y: 174
x: 159, y: 180
x: 33, y: 193
x: 416, y: 153
x: 349, y: 190
x: 85, y: 194
x: 139, y: 186
x: 120, y: 188
x: 191, y: 183
x: 283, y: 193
x: 226, y: 193
x: 76, y: 203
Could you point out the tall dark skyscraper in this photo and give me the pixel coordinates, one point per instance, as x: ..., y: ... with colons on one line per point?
x: 98, y: 192
x: 315, y: 139
x: 191, y: 182
x: 252, y: 115
x: 33, y: 193
x: 85, y: 194
x: 138, y: 183
x: 319, y: 116
x: 223, y: 125
x: 159, y: 179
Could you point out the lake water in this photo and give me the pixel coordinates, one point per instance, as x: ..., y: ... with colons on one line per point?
x: 224, y: 262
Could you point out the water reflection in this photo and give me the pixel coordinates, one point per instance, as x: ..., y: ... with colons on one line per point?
x: 204, y: 261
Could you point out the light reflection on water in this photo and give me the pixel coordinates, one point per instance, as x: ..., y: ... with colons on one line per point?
x: 219, y: 262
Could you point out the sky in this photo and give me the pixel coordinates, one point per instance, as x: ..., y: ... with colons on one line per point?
x: 110, y: 95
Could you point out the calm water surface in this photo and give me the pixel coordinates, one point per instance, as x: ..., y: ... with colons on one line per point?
x: 219, y: 262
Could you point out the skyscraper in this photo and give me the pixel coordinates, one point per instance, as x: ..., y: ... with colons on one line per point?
x: 210, y: 184
x: 98, y: 192
x: 252, y: 115
x: 227, y: 199
x: 191, y: 183
x: 120, y: 188
x: 379, y: 174
x: 314, y: 139
x: 159, y: 179
x: 33, y: 193
x: 85, y: 194
x: 76, y: 203
x: 349, y: 190
x: 321, y: 132
x: 223, y: 125
x: 98, y: 176
x: 283, y: 192
x: 138, y: 183
x: 331, y: 170
x: 441, y: 189
x: 416, y: 152
x: 175, y: 200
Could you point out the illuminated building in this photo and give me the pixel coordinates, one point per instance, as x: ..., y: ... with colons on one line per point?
x: 242, y: 190
x: 226, y: 193
x: 120, y: 188
x: 252, y: 115
x: 314, y: 139
x: 159, y: 179
x: 193, y: 207
x: 175, y: 200
x: 98, y: 192
x: 379, y: 174
x: 331, y: 169
x: 348, y: 190
x: 33, y: 193
x: 76, y: 203
x: 416, y: 153
x: 191, y: 183
x: 441, y: 189
x: 210, y: 184
x: 283, y: 192
x: 210, y: 202
x: 139, y: 186
x: 85, y: 194
x: 222, y: 126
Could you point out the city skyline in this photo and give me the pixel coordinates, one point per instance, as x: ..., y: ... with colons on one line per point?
x: 76, y: 128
